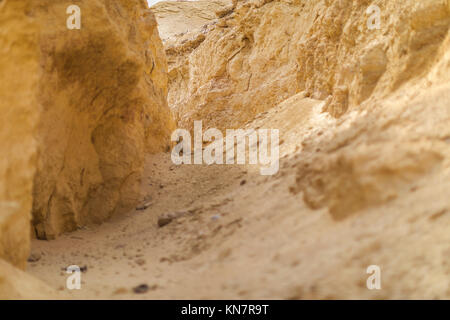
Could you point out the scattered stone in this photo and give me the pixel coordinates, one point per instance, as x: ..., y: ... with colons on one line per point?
x: 167, y: 218
x: 143, y: 288
x: 120, y: 291
x: 164, y: 220
x: 34, y: 257
x: 144, y: 206
x: 140, y: 262
x: 216, y: 217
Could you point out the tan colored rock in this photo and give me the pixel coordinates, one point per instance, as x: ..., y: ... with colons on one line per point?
x: 19, y: 109
x: 103, y: 93
x: 371, y: 158
x: 92, y: 102
x: 175, y: 17
x: 17, y: 285
x: 266, y: 51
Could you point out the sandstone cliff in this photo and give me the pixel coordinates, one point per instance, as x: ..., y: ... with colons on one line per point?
x: 361, y: 70
x: 19, y: 67
x: 103, y: 95
x: 175, y: 18
x: 81, y: 109
x: 87, y: 104
x: 266, y: 51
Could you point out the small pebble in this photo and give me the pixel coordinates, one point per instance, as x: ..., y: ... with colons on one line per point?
x: 167, y: 218
x: 140, y: 262
x: 144, y: 206
x: 34, y: 257
x: 120, y: 291
x: 143, y: 288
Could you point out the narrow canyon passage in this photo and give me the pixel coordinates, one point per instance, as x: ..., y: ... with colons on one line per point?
x: 226, y: 242
x: 243, y: 235
x: 358, y: 91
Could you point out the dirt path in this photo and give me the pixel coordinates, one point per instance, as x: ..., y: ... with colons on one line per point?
x: 243, y: 235
x: 219, y: 248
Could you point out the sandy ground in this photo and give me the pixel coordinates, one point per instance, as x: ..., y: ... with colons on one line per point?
x: 247, y: 236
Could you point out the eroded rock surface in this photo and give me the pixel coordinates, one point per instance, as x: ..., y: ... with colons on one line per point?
x: 176, y: 18
x: 19, y: 67
x: 264, y: 52
x: 103, y: 95
x: 80, y: 110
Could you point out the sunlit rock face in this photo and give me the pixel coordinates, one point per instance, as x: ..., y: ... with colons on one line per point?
x: 263, y: 52
x: 82, y: 107
x: 103, y: 95
x: 175, y: 18
x: 19, y: 68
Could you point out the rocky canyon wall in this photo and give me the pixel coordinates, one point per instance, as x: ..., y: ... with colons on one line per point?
x: 19, y: 67
x: 176, y: 18
x: 378, y: 69
x: 262, y: 52
x: 81, y: 109
x: 103, y: 95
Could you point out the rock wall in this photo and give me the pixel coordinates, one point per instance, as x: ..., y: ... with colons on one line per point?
x: 80, y: 110
x: 19, y: 108
x: 92, y: 103
x: 386, y: 86
x: 103, y: 93
x: 264, y: 52
x: 175, y: 18
x: 397, y: 146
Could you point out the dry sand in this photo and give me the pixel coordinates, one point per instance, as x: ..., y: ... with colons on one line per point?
x: 252, y: 237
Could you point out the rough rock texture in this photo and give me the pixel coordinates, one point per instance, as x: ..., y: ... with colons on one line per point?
x: 266, y: 51
x: 19, y: 109
x: 175, y: 18
x: 103, y: 93
x: 80, y: 110
x: 396, y: 139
